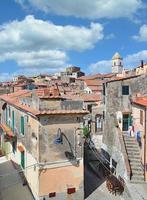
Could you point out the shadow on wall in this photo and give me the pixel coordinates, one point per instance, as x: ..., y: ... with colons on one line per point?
x: 97, y: 168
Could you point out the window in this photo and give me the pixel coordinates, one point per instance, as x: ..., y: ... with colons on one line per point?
x: 89, y: 108
x: 99, y: 122
x: 13, y: 121
x: 141, y: 117
x: 125, y: 90
x: 9, y: 111
x: 22, y: 125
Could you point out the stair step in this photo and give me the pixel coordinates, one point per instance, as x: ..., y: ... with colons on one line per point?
x: 137, y: 173
x: 137, y: 181
x: 136, y: 168
x: 132, y: 149
x: 129, y: 138
x: 136, y: 164
x: 132, y: 145
x: 133, y: 155
x: 135, y: 160
x: 137, y: 178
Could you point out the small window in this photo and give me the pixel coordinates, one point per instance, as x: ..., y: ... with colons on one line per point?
x: 89, y: 108
x: 141, y: 117
x: 99, y: 122
x: 125, y: 90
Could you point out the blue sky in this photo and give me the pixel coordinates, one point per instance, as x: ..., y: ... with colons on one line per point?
x: 39, y: 36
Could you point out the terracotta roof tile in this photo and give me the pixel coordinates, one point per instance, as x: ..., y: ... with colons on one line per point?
x: 54, y: 112
x: 141, y: 101
x: 14, y: 100
x: 96, y: 76
x: 85, y: 97
x: 122, y: 78
x: 96, y: 88
x: 51, y: 92
x: 93, y: 82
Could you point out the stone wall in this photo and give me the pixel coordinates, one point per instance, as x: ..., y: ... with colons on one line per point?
x: 53, y: 104
x: 115, y: 101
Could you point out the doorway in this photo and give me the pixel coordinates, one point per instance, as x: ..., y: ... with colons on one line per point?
x: 127, y: 121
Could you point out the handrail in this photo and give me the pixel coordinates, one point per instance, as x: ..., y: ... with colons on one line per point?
x: 125, y: 155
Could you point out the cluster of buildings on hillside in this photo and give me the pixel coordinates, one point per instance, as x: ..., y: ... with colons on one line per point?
x: 42, y: 121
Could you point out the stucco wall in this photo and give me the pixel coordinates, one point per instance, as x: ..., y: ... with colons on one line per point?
x: 141, y: 128
x: 49, y: 125
x: 60, y: 179
x: 31, y: 127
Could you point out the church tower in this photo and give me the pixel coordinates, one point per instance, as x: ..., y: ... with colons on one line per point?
x: 117, y: 64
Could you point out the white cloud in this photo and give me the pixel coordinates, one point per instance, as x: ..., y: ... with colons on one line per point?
x: 5, y: 77
x: 33, y: 34
x: 133, y: 60
x: 37, y: 43
x: 130, y: 61
x: 110, y: 36
x: 87, y: 9
x: 103, y: 66
x: 142, y: 36
x: 35, y: 59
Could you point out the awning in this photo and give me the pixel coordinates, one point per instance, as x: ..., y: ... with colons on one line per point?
x: 7, y: 130
x: 20, y: 148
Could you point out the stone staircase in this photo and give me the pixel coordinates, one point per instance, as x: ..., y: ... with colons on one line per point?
x: 133, y: 152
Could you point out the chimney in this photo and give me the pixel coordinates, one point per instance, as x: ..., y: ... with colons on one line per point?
x: 142, y: 63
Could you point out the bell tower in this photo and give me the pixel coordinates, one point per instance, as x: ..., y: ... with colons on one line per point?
x: 117, y: 64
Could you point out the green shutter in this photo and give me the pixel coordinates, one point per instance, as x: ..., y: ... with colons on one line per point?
x: 22, y: 125
x: 13, y: 121
x: 23, y: 159
x: 130, y: 120
x: 6, y: 116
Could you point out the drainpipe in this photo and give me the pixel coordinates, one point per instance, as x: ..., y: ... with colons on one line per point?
x: 145, y: 143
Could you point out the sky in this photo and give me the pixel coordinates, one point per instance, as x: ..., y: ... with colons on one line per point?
x: 46, y: 36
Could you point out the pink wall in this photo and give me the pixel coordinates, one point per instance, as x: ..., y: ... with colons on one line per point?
x: 140, y: 127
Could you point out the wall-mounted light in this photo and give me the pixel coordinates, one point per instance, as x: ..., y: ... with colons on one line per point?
x: 59, y: 137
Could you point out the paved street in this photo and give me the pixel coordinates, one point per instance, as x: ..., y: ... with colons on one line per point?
x: 103, y: 194
x: 132, y: 192
x: 11, y: 187
x: 138, y: 191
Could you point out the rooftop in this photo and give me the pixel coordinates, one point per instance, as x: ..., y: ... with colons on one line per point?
x: 14, y: 100
x: 141, y: 101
